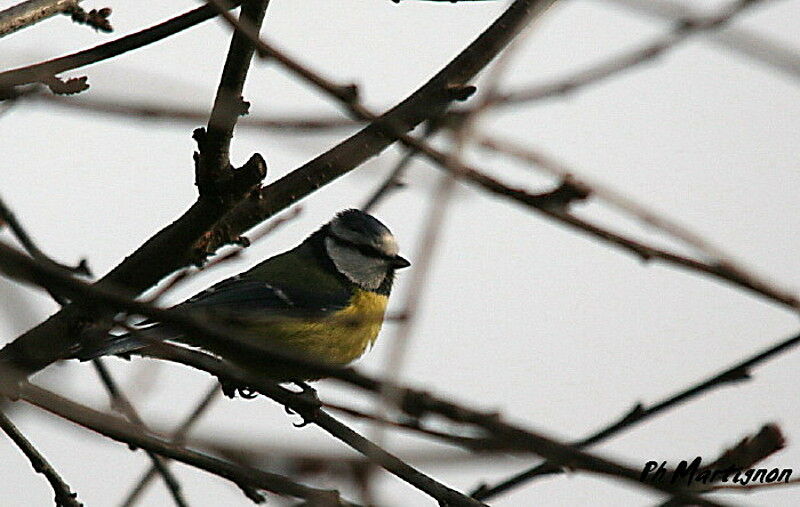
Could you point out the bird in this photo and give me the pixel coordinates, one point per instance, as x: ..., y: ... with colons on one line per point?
x: 323, y: 300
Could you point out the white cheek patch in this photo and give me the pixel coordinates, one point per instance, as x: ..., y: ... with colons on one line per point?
x: 367, y: 272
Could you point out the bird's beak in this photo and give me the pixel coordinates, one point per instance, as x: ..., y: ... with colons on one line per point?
x: 399, y: 263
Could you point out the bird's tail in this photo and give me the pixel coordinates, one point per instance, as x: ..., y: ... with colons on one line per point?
x: 92, y: 347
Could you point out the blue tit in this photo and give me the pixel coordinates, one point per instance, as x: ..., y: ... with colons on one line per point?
x: 325, y: 300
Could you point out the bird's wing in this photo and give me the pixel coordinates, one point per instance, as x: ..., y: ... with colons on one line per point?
x: 243, y: 294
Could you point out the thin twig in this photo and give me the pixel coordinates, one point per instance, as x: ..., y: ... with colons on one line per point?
x: 32, y: 11
x: 8, y: 218
x: 736, y: 373
x: 45, y: 70
x: 627, y: 60
x: 121, y: 403
x: 123, y: 106
x: 123, y: 431
x: 542, y: 161
x: 178, y: 438
x: 751, y: 44
x: 64, y: 496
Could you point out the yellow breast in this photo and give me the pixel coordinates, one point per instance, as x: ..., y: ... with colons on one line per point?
x: 341, y: 337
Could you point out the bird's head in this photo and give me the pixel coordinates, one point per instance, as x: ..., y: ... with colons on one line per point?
x: 362, y: 249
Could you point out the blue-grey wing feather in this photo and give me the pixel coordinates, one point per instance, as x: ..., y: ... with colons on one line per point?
x: 236, y: 296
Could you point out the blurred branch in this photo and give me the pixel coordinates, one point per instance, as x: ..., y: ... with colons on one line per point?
x: 417, y: 404
x: 116, y: 394
x: 746, y: 42
x: 32, y: 11
x: 8, y: 218
x: 121, y: 404
x: 44, y: 71
x: 178, y: 438
x: 544, y: 162
x: 736, y: 373
x: 682, y: 30
x: 478, y: 444
x: 170, y: 249
x: 717, y: 264
x: 178, y: 113
x: 123, y: 431
x: 64, y: 497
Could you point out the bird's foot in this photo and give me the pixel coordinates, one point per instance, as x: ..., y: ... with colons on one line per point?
x: 307, y: 396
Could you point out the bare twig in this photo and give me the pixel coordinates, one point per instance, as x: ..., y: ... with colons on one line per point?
x: 178, y: 438
x: 121, y: 403
x: 740, y: 39
x: 320, y: 123
x: 542, y: 161
x: 32, y: 11
x: 64, y: 496
x: 612, y: 66
x: 736, y: 373
x: 213, y: 161
x: 8, y: 218
x: 123, y: 431
x: 44, y: 71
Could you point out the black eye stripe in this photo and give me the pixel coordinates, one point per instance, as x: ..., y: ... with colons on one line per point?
x: 367, y: 250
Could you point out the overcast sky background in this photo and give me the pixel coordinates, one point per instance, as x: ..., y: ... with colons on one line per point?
x: 556, y: 331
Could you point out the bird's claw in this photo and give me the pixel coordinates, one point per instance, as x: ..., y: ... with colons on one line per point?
x: 231, y: 389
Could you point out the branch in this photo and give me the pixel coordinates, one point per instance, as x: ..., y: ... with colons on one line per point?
x: 213, y: 160
x: 42, y: 72
x: 32, y: 11
x: 121, y: 403
x: 63, y: 495
x: 427, y: 102
x: 117, y: 396
x: 178, y: 438
x: 747, y: 42
x: 612, y: 66
x: 417, y: 404
x: 736, y: 373
x: 125, y: 432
